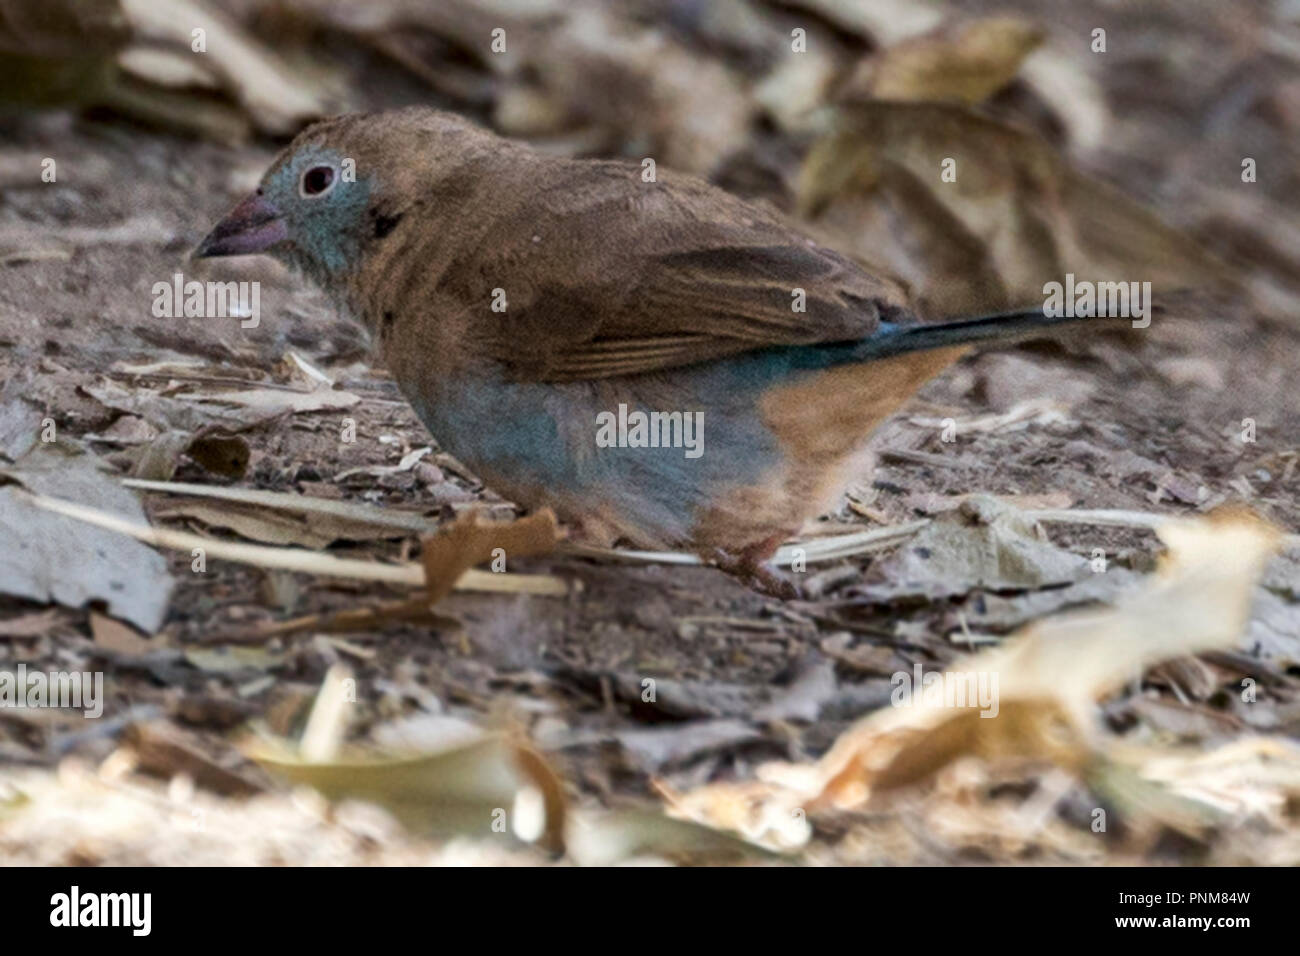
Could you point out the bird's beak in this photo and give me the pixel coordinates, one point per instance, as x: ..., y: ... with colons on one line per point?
x: 255, y: 225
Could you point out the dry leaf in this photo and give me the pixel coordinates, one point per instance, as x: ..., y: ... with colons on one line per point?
x: 117, y: 637
x: 232, y: 660
x: 459, y: 785
x: 269, y: 402
x: 470, y: 541
x: 275, y: 527
x: 325, y: 516
x: 1014, y: 218
x: 221, y: 454
x: 984, y: 543
x: 608, y: 838
x: 233, y: 410
x: 963, y: 62
x: 167, y: 750
x: 51, y: 558
x: 29, y: 625
x: 279, y: 100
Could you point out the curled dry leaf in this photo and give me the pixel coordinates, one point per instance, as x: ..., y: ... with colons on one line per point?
x: 225, y: 455
x: 219, y: 453
x: 458, y: 785
x: 470, y: 540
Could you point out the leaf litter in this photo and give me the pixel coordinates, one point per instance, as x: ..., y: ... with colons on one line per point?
x: 737, y: 109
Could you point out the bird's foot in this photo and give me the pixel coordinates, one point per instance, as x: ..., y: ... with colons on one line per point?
x: 755, y: 573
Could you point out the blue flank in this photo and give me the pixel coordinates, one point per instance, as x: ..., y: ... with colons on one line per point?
x: 513, y: 429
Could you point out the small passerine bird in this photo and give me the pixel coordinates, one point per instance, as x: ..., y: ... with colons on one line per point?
x: 654, y: 358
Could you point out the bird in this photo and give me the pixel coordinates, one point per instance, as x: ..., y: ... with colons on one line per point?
x: 537, y: 311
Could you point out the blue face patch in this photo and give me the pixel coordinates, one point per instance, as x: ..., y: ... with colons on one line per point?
x: 326, y: 230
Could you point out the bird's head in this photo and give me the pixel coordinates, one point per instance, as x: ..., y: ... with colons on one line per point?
x: 339, y: 191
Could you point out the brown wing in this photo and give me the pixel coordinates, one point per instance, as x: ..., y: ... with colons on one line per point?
x: 606, y: 275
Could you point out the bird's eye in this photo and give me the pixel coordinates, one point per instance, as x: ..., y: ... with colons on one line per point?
x: 316, y: 181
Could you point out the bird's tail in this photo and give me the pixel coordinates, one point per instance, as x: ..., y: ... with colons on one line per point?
x: 897, y: 339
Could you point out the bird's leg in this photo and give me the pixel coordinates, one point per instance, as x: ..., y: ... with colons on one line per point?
x: 750, y: 565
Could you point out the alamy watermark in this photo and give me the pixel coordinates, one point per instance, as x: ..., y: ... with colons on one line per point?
x: 75, y: 908
x: 946, y: 689
x: 76, y: 690
x: 1129, y: 300
x: 638, y: 429
x: 208, y: 300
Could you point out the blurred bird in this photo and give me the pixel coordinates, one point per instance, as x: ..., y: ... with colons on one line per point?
x: 531, y: 306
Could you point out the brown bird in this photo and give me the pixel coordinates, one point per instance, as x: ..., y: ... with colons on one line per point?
x: 659, y: 361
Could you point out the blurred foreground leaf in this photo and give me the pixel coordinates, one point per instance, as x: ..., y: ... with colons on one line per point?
x: 1046, y: 682
x: 466, y: 782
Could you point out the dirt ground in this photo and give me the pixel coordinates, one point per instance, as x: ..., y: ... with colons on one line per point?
x: 1149, y: 422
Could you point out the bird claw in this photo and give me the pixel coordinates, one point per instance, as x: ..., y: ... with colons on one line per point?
x: 756, y: 575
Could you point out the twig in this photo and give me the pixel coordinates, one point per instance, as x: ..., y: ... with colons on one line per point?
x: 298, y: 559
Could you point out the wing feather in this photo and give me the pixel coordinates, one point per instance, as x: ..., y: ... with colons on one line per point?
x: 646, y: 277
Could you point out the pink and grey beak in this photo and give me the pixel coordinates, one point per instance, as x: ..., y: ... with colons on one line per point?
x: 255, y: 225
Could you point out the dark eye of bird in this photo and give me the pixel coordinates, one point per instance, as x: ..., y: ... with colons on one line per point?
x: 316, y: 180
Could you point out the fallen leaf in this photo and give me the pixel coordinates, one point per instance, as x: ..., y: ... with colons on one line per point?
x: 117, y: 637
x: 966, y: 62
x: 1014, y: 217
x: 256, y: 523
x: 232, y: 660
x: 29, y: 625
x: 651, y: 749
x: 460, y: 785
x: 279, y: 100
x: 470, y: 541
x: 344, y: 517
x: 221, y: 454
x: 605, y: 838
x: 191, y: 411
x: 166, y: 750
x: 48, y: 557
x: 984, y: 544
